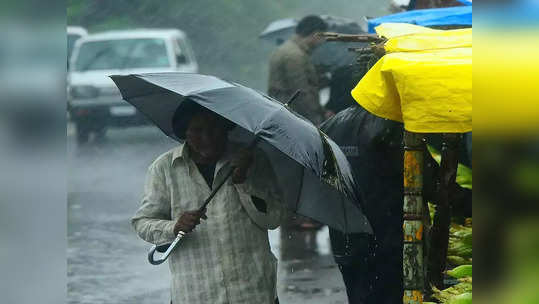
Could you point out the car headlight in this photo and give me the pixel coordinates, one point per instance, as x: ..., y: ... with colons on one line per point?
x: 83, y: 91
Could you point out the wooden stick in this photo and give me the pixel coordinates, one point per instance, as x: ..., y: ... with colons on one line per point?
x: 351, y: 37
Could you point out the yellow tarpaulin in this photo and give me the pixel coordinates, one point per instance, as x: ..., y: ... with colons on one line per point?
x: 392, y: 30
x: 429, y: 90
x: 423, y: 40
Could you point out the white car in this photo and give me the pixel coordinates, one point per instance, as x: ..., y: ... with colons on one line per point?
x: 94, y: 101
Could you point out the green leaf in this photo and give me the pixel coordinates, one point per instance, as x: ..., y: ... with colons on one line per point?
x: 461, y: 271
x: 465, y: 298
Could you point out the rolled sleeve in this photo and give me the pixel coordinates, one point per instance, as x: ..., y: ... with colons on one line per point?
x: 152, y: 221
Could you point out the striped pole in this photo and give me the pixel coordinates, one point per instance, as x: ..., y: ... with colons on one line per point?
x: 413, y: 265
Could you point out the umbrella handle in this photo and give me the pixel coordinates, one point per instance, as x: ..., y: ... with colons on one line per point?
x: 161, y: 248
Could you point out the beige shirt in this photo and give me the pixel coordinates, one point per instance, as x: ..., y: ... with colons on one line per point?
x: 227, y: 258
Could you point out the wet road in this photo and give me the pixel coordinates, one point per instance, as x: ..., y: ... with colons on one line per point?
x: 106, y: 260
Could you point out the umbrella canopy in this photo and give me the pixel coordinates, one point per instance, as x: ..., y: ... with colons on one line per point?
x: 314, y: 176
x: 450, y: 16
x: 330, y: 54
x: 279, y: 31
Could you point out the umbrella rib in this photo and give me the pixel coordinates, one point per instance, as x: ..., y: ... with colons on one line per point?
x: 300, y: 187
x: 145, y: 95
x: 170, y: 90
x: 344, y: 214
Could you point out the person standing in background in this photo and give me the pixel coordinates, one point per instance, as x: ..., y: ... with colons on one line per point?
x: 292, y: 69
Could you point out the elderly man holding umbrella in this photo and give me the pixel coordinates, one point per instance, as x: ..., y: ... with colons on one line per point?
x: 227, y: 258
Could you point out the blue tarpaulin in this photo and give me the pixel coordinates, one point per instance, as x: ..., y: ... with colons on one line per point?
x: 458, y: 15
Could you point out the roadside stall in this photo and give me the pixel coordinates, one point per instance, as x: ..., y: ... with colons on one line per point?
x: 422, y: 77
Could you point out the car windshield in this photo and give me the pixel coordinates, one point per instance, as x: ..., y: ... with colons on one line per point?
x: 122, y: 54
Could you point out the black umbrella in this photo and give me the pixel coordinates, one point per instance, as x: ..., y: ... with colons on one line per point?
x: 314, y: 176
x: 279, y: 31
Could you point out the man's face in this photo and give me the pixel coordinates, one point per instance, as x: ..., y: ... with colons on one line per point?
x: 315, y: 40
x: 206, y: 136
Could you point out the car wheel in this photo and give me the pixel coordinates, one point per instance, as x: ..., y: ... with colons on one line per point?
x: 83, y: 134
x: 101, y: 133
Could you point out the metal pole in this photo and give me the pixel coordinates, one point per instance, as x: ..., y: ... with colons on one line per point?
x: 413, y: 265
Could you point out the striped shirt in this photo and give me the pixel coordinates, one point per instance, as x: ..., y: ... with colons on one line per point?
x: 227, y: 258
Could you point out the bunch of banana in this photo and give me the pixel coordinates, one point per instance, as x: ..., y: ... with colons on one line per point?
x: 460, y: 293
x: 459, y: 251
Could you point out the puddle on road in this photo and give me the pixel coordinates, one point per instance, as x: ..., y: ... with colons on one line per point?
x: 299, y: 244
x: 307, y: 271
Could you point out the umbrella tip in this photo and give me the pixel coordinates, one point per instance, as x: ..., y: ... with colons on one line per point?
x: 296, y: 94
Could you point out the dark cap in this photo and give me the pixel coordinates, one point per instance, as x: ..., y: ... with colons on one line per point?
x: 311, y: 24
